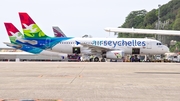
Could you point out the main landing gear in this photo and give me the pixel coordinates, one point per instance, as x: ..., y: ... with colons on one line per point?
x: 96, y: 59
x: 103, y: 60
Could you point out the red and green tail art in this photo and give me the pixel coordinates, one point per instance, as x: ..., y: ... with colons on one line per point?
x: 13, y: 32
x: 117, y: 55
x: 30, y: 28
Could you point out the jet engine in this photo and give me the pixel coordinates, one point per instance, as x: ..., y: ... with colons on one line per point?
x: 114, y: 54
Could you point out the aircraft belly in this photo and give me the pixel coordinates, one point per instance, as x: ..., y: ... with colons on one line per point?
x: 62, y: 48
x: 149, y: 51
x: 54, y: 54
x: 127, y: 50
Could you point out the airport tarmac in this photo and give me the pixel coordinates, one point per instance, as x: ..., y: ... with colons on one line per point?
x: 85, y: 81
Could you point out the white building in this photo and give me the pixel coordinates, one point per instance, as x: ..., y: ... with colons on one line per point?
x: 11, y: 54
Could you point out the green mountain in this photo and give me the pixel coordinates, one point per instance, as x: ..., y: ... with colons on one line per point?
x: 169, y: 19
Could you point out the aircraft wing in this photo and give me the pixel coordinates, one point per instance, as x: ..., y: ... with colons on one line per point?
x: 144, y: 31
x: 94, y: 48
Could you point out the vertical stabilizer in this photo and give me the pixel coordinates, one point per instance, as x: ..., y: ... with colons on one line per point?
x: 30, y: 28
x: 13, y: 32
x: 58, y: 32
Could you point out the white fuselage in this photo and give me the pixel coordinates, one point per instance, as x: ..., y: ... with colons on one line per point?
x: 146, y: 46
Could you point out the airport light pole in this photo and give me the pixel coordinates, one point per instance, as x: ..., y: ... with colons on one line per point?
x: 159, y: 15
x: 159, y: 37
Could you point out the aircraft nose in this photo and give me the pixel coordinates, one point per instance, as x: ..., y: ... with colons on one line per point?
x: 166, y: 49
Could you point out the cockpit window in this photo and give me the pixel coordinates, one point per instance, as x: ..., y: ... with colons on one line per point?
x: 159, y: 43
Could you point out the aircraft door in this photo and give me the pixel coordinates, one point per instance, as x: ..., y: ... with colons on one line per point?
x: 135, y: 50
x: 149, y: 45
x: 47, y: 43
x: 76, y: 50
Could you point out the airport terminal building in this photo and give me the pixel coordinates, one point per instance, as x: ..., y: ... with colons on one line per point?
x: 11, y: 54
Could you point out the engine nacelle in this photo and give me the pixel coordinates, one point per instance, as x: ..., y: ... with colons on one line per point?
x: 114, y: 54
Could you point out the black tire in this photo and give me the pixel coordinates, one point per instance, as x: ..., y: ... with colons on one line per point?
x: 91, y: 60
x: 96, y: 59
x: 103, y: 60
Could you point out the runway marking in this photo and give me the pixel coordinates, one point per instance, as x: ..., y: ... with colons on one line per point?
x: 40, y: 76
x: 77, y: 75
x: 157, y: 72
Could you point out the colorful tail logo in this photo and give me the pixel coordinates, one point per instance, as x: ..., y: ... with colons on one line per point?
x: 13, y: 32
x: 30, y: 28
x: 117, y: 55
x: 58, y: 32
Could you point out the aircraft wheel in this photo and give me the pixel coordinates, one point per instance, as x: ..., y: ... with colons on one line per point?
x: 96, y: 59
x: 103, y: 60
x: 91, y: 60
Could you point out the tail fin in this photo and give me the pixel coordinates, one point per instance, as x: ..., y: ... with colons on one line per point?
x: 58, y: 32
x: 30, y: 28
x: 13, y: 32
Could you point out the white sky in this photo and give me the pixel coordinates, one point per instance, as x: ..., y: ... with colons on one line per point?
x: 75, y: 17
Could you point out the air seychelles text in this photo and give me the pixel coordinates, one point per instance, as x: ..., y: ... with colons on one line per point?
x: 119, y: 43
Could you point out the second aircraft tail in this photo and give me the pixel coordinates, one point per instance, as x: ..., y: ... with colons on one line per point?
x: 12, y: 32
x: 58, y: 32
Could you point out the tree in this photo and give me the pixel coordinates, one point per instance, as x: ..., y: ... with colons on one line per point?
x: 134, y: 19
x: 150, y: 18
x: 176, y: 25
x: 176, y: 47
x: 170, y: 18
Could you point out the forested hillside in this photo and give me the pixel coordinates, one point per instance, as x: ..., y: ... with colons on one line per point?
x: 169, y: 20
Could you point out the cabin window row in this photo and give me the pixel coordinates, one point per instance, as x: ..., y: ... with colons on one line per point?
x: 67, y: 43
x: 73, y: 43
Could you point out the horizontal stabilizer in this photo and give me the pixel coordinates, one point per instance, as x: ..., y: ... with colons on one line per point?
x: 32, y: 42
x: 11, y: 44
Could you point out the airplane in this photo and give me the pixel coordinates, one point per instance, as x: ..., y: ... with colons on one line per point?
x: 110, y: 48
x: 14, y: 33
x: 143, y: 31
